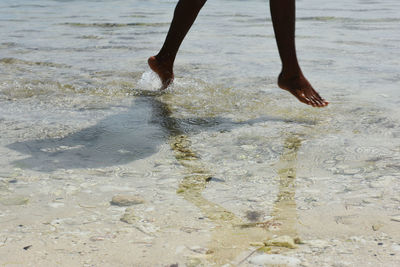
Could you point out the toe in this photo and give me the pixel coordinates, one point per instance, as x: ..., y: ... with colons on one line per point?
x: 309, y: 98
x: 321, y: 101
x: 302, y: 98
x: 317, y: 101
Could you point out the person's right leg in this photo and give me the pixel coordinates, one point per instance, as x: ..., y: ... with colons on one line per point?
x: 185, y: 14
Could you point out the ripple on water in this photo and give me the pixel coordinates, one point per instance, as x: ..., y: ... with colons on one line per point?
x: 117, y: 25
x: 16, y: 61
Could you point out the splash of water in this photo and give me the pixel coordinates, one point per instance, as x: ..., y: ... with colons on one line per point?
x: 149, y: 81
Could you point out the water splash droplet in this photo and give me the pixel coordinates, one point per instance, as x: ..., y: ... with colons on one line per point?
x: 149, y: 81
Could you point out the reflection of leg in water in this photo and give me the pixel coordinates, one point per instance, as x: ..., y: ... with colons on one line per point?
x: 291, y: 77
x: 228, y: 240
x: 285, y: 205
x: 231, y: 236
x: 185, y: 13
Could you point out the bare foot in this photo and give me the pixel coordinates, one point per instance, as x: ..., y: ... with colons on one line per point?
x: 164, y: 71
x: 302, y: 90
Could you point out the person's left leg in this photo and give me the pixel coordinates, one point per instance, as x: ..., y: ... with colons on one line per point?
x: 185, y: 14
x: 291, y: 77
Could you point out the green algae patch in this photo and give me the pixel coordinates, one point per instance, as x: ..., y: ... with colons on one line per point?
x: 264, y: 249
x: 181, y: 146
x: 282, y: 241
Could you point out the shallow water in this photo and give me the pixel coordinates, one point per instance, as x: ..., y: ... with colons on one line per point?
x: 81, y: 120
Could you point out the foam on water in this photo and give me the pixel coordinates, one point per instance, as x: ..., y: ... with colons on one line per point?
x: 149, y: 81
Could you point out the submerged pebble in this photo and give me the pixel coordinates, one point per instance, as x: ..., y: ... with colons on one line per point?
x: 266, y: 260
x: 193, y: 262
x: 56, y: 204
x: 126, y: 200
x: 377, y: 226
x: 396, y: 247
x: 129, y: 216
x: 14, y: 200
x: 201, y: 250
x: 97, y: 238
x: 318, y: 243
x: 395, y: 218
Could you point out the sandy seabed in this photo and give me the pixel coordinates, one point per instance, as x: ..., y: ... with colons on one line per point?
x: 229, y: 190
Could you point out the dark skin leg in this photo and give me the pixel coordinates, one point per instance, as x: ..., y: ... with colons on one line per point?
x: 283, y: 13
x: 185, y: 14
x: 283, y: 17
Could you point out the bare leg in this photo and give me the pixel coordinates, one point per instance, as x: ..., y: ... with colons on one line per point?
x: 185, y: 14
x: 283, y: 13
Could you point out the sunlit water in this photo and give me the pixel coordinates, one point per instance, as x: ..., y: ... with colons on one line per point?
x: 79, y: 109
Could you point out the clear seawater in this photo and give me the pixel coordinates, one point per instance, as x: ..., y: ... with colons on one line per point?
x: 77, y: 99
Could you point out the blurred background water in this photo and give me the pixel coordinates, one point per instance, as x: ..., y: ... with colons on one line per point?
x: 346, y: 48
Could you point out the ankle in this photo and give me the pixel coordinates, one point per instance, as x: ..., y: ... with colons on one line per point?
x: 164, y: 60
x: 292, y: 75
